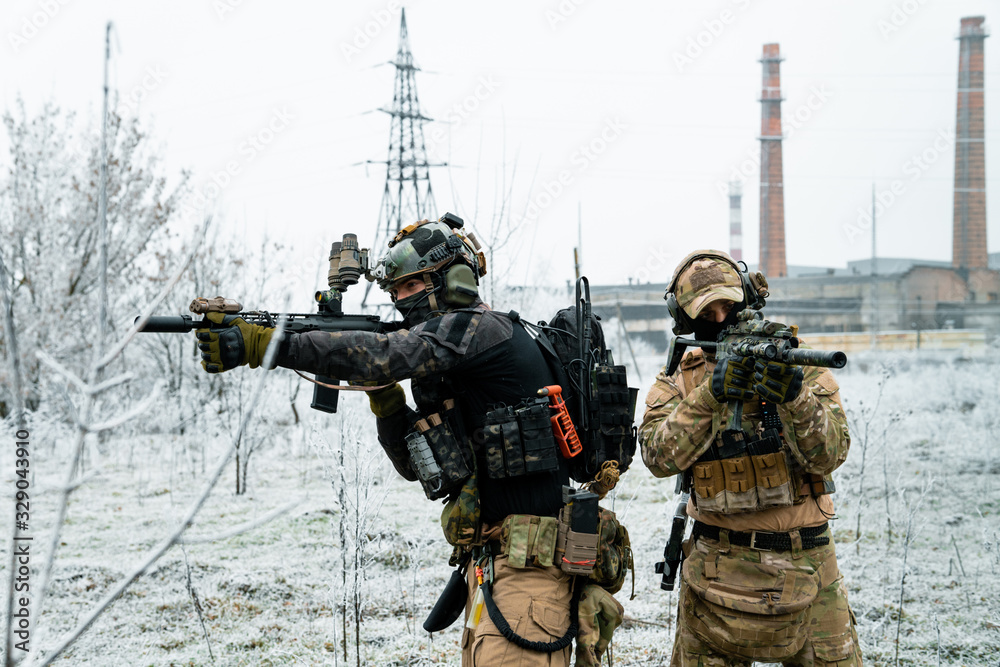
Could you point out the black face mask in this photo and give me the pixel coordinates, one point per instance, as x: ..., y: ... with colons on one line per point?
x: 415, y: 308
x: 709, y: 331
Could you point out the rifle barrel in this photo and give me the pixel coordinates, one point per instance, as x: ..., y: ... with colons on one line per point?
x: 804, y: 357
x: 294, y: 322
x: 167, y: 324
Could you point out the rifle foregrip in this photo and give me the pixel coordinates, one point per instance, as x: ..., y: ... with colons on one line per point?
x: 804, y: 357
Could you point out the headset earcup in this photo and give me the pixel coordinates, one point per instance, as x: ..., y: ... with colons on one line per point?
x: 460, y: 288
x: 682, y: 323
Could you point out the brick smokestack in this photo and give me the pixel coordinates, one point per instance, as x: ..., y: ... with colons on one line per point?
x: 736, y: 220
x: 772, y: 191
x: 969, y: 233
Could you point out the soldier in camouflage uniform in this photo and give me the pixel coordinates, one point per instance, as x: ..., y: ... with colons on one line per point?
x: 760, y: 578
x: 454, y: 347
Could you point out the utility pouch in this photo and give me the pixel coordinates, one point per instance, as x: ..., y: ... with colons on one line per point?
x: 452, y: 415
x: 533, y: 419
x: 747, y: 609
x: 504, y: 456
x: 707, y: 480
x: 452, y: 456
x: 740, y: 484
x: 461, y: 514
x: 770, y: 465
x: 616, y: 402
x: 578, y: 534
x: 518, y: 440
x: 529, y: 541
x: 423, y: 463
x: 614, y: 553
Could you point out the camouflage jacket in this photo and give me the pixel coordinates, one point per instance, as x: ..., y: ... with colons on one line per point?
x: 423, y: 353
x: 471, y: 355
x: 683, y: 418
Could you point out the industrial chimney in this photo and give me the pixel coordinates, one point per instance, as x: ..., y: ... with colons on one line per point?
x: 969, y: 233
x: 772, y: 192
x: 736, y: 220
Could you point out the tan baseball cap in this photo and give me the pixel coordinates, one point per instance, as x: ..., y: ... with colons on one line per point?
x: 707, y: 279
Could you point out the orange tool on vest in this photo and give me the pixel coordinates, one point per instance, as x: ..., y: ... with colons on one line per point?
x: 562, y: 425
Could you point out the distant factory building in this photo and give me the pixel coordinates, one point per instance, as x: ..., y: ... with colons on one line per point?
x: 900, y: 294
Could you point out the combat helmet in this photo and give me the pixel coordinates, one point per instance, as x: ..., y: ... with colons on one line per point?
x: 448, y: 261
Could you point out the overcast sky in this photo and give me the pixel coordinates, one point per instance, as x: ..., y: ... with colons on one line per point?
x: 664, y: 94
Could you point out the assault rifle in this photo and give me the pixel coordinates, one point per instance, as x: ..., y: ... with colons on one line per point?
x: 752, y: 337
x: 347, y: 263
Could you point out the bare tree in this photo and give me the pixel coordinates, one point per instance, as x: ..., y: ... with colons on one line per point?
x: 357, y: 478
x: 49, y: 220
x: 88, y: 422
x: 500, y: 230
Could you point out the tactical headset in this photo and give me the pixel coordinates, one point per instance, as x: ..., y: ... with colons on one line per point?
x: 460, y: 281
x: 754, y: 287
x: 461, y: 284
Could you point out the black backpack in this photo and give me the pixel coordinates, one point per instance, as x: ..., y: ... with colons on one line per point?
x: 596, y: 391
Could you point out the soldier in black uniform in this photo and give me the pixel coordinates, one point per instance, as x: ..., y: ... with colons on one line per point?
x: 462, y: 359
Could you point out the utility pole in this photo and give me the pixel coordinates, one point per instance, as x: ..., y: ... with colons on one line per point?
x: 874, y: 294
x: 102, y: 211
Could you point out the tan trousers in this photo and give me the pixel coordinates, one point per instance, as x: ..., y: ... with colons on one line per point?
x: 535, y: 602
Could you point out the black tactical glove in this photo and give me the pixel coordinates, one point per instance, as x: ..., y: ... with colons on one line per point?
x: 239, y: 344
x: 732, y: 380
x: 776, y: 381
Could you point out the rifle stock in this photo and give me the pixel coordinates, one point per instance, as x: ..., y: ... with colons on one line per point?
x: 673, y: 553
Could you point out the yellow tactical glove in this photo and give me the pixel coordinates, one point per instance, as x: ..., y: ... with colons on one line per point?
x: 236, y: 343
x: 776, y: 381
x: 732, y: 380
x: 387, y: 401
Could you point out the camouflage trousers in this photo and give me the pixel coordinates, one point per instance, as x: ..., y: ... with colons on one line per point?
x: 535, y: 602
x: 806, y: 619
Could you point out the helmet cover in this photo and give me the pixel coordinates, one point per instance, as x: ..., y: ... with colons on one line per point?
x: 425, y: 247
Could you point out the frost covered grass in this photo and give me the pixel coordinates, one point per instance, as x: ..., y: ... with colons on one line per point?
x: 919, y: 497
x: 347, y: 576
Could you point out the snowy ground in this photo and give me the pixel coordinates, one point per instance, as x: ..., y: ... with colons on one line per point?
x: 922, y: 482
